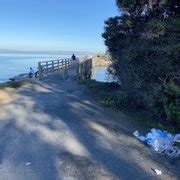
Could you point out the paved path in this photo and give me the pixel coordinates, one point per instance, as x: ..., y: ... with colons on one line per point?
x: 54, y: 130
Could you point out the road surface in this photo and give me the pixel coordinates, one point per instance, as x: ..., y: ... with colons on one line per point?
x: 54, y: 130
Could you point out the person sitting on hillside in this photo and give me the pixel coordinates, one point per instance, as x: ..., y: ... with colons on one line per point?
x: 73, y: 57
x: 31, y: 73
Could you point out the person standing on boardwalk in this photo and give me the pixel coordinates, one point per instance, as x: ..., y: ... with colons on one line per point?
x: 73, y: 57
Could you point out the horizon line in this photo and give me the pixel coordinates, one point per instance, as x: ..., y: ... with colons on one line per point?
x: 41, y: 51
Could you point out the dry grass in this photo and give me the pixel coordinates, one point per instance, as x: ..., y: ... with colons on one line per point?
x: 13, y: 84
x: 101, y: 60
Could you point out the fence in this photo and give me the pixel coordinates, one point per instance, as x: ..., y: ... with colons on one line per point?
x: 46, y: 67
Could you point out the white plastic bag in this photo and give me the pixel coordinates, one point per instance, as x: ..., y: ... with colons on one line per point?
x: 177, y: 138
x: 158, y: 144
x: 162, y: 141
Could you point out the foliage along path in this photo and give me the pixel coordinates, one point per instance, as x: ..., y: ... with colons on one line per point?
x: 54, y: 130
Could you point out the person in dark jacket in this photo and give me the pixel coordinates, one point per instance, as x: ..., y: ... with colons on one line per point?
x: 73, y: 57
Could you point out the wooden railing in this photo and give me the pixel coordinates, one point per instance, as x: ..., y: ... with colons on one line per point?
x: 46, y: 67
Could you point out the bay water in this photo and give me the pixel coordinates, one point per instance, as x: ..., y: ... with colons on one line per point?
x: 102, y: 74
x: 13, y: 64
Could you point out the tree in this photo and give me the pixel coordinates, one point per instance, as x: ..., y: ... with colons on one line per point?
x: 144, y: 45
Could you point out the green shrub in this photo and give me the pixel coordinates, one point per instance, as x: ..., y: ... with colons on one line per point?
x: 166, y: 104
x: 115, y: 100
x: 95, y: 85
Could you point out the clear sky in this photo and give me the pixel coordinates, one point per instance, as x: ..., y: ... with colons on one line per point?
x: 52, y: 25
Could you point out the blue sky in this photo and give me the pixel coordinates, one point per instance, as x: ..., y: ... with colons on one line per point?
x: 52, y: 25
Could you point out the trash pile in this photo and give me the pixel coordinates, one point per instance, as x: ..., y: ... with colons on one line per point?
x: 161, y: 141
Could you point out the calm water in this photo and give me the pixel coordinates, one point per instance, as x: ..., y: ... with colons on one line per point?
x: 101, y: 74
x: 14, y: 64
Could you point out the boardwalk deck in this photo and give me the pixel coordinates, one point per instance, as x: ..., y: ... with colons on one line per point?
x: 84, y: 66
x: 46, y: 67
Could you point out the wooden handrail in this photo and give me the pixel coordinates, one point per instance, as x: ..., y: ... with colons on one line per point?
x: 54, y: 60
x: 45, y: 67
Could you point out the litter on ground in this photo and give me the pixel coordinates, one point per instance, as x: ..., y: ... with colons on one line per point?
x: 157, y: 171
x: 28, y: 164
x: 161, y: 141
x: 177, y: 138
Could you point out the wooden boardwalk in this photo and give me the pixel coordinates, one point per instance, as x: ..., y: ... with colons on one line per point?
x: 84, y: 66
x: 46, y: 67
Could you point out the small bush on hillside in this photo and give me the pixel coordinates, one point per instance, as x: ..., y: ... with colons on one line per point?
x: 115, y: 100
x: 110, y: 94
x: 13, y: 84
x: 95, y: 85
x: 167, y: 102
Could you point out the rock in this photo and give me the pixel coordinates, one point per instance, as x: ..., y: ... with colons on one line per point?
x: 20, y: 77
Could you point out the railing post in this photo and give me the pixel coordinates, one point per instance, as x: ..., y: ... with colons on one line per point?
x: 65, y: 63
x: 52, y: 66
x: 47, y: 67
x: 40, y: 70
x: 58, y: 64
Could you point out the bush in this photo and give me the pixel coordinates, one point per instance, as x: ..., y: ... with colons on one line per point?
x: 95, y: 85
x: 13, y: 84
x: 166, y: 104
x: 115, y: 100
x: 109, y: 94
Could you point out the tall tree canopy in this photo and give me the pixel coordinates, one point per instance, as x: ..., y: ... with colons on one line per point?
x: 144, y: 45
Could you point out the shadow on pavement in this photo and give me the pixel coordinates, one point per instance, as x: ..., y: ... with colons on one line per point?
x: 44, y: 123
